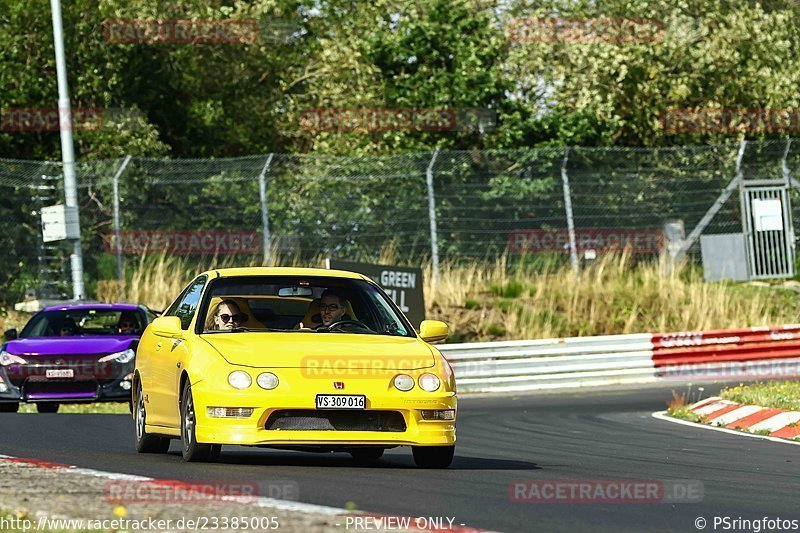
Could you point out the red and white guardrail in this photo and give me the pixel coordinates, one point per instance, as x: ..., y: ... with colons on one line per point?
x: 722, y: 355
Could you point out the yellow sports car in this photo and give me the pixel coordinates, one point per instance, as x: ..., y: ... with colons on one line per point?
x: 293, y: 358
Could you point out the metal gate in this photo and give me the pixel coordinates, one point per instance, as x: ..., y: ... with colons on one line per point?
x: 768, y: 230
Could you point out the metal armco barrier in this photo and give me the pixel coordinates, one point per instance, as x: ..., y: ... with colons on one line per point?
x: 751, y: 353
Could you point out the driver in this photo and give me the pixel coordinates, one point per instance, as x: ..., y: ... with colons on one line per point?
x: 332, y: 307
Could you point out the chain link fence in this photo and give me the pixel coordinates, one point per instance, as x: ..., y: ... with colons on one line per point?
x: 443, y: 205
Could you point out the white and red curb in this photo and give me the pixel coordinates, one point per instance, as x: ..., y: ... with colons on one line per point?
x: 748, y: 419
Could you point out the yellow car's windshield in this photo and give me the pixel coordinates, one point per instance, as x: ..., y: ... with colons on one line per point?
x: 300, y: 304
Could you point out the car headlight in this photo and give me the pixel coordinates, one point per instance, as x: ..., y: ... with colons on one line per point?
x: 11, y: 359
x: 403, y: 382
x: 238, y: 379
x: 267, y: 380
x: 125, y: 356
x: 429, y: 382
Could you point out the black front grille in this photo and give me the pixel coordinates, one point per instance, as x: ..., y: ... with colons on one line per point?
x: 336, y: 420
x: 65, y: 389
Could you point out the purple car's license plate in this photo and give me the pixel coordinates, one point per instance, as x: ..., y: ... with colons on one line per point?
x: 59, y: 373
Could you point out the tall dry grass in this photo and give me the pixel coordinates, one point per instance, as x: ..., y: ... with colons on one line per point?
x: 486, y: 300
x: 611, y: 296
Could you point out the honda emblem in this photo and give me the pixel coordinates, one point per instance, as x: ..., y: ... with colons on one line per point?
x: 338, y: 385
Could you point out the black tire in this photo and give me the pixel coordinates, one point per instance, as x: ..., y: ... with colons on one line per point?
x: 365, y: 455
x: 191, y: 450
x: 10, y: 407
x: 433, y: 456
x: 47, y: 407
x: 145, y: 443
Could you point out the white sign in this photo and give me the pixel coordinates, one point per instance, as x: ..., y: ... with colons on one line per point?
x: 768, y: 214
x: 59, y: 222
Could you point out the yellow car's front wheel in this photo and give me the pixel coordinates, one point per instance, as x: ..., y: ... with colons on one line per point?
x: 193, y: 451
x: 433, y: 456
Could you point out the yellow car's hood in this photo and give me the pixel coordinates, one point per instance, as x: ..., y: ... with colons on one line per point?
x: 321, y: 350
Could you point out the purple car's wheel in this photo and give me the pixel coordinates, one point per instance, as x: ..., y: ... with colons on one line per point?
x: 10, y: 407
x: 47, y: 407
x: 146, y: 443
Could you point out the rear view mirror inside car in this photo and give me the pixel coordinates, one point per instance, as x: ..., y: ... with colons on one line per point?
x: 295, y: 291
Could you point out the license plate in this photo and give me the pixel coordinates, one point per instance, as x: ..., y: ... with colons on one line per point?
x: 341, y: 401
x: 59, y: 373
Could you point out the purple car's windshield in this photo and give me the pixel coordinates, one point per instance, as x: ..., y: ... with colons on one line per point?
x: 72, y: 322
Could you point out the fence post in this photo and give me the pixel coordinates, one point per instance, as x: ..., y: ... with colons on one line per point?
x: 573, y: 248
x: 714, y: 209
x: 262, y: 193
x: 118, y: 224
x: 784, y: 165
x: 432, y: 217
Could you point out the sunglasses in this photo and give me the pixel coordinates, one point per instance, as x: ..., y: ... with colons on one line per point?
x: 238, y: 317
x: 331, y: 307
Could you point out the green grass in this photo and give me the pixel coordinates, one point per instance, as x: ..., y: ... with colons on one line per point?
x: 678, y: 407
x: 777, y: 394
x: 511, y: 289
x: 685, y: 413
x: 471, y: 304
x: 111, y: 408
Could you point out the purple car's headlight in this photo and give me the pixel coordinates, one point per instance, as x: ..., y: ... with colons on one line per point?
x: 11, y: 359
x: 125, y: 356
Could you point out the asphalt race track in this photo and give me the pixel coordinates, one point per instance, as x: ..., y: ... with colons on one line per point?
x: 578, y: 436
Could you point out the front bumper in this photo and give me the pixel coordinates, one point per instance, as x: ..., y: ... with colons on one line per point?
x: 252, y: 431
x: 91, y: 383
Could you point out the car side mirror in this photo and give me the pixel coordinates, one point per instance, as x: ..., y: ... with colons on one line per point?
x: 10, y: 334
x: 433, y: 330
x: 167, y: 326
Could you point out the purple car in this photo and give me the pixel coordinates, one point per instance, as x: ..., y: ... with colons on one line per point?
x: 72, y: 353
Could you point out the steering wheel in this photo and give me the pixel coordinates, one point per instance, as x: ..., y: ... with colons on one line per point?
x: 340, y: 323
